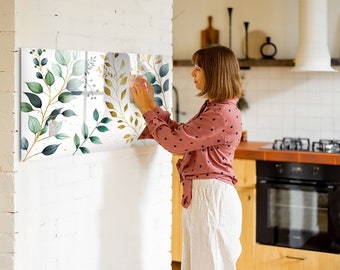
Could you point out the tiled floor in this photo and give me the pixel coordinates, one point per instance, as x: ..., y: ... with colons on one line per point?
x: 176, y: 266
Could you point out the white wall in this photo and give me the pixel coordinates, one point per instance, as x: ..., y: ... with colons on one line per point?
x: 107, y: 210
x: 274, y: 18
x: 282, y: 103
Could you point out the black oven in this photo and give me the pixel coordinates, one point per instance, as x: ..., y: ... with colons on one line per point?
x: 298, y: 205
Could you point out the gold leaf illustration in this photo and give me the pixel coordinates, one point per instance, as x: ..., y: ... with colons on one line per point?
x: 107, y: 91
x: 158, y: 59
x: 108, y: 82
x: 123, y: 81
x: 126, y: 107
x: 109, y: 105
x: 121, y: 126
x: 131, y: 118
x: 122, y: 95
x: 127, y: 136
x: 113, y: 113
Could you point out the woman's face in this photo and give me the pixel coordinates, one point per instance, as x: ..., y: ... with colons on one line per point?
x: 199, y: 78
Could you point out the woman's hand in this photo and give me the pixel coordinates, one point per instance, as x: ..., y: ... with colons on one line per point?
x: 143, y: 94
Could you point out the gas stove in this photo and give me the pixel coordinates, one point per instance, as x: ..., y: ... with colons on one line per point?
x: 303, y: 144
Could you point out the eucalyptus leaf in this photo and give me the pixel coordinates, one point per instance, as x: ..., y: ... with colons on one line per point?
x: 33, y: 124
x: 166, y: 85
x: 95, y: 140
x: 85, y: 130
x: 106, y: 120
x: 24, y: 144
x: 157, y: 89
x: 35, y: 87
x: 50, y: 149
x: 53, y: 115
x: 158, y: 101
x: 164, y: 70
x: 78, y: 68
x: 102, y: 128
x: 62, y: 57
x: 36, y: 61
x: 65, y: 97
x: 73, y: 84
x: 34, y: 99
x: 44, y: 61
x: 150, y: 77
x: 25, y: 107
x: 57, y: 70
x: 68, y: 113
x: 49, y: 78
x: 76, y: 140
x: 39, y: 75
x: 95, y: 115
x: 44, y: 130
x: 62, y: 136
x: 84, y: 150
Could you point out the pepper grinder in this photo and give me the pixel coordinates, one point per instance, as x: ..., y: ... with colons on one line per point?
x: 246, y: 24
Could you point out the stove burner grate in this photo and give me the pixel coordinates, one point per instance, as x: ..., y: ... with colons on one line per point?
x: 328, y: 146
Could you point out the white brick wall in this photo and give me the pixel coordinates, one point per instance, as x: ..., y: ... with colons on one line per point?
x: 281, y: 102
x: 107, y: 210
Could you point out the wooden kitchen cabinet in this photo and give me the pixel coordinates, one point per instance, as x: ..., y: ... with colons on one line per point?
x: 245, y: 171
x: 278, y: 258
x: 176, y: 239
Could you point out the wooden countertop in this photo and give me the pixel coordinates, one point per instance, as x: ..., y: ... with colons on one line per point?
x: 253, y: 150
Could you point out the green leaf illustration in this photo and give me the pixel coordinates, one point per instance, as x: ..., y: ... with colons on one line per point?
x: 166, y: 85
x: 76, y: 140
x: 62, y: 57
x: 44, y: 130
x: 53, y: 115
x: 49, y: 150
x: 25, y: 107
x: 57, y: 70
x: 33, y: 124
x: 73, y: 84
x: 150, y: 77
x: 49, y: 78
x: 78, y: 68
x: 84, y: 150
x: 95, y: 140
x: 164, y: 70
x: 24, y: 143
x: 34, y: 99
x: 85, y: 130
x: 95, y: 115
x: 158, y: 101
x: 62, y: 136
x: 35, y: 87
x: 44, y: 61
x: 65, y: 97
x: 68, y: 113
x: 106, y: 120
x: 157, y: 88
x: 102, y: 128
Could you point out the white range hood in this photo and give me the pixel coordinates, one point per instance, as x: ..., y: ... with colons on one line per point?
x: 313, y: 53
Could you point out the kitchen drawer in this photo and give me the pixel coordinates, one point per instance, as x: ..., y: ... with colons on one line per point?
x: 277, y: 258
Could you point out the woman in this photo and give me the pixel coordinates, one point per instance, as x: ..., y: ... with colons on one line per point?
x: 212, y: 214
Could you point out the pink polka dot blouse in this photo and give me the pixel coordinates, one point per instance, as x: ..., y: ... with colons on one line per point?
x: 208, y: 142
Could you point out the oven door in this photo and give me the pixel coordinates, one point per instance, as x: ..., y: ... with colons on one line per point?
x: 298, y: 214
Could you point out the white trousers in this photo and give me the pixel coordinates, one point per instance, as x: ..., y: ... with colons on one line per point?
x: 211, y: 227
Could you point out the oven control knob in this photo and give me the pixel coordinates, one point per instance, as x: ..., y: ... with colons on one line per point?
x: 316, y: 170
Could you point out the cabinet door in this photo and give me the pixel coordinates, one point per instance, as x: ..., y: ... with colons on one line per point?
x: 176, y: 240
x: 247, y: 258
x: 276, y: 258
x: 245, y: 170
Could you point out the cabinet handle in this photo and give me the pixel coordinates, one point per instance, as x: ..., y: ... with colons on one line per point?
x: 296, y: 258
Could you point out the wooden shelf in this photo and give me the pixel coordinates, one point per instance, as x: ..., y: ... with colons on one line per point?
x: 247, y: 63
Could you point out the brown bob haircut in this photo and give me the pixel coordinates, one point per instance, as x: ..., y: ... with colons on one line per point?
x: 222, y: 73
